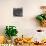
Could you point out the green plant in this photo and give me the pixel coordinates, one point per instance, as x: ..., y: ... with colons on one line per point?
x: 11, y: 31
x: 41, y: 17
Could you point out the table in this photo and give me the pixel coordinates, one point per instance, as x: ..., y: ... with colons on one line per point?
x: 25, y: 44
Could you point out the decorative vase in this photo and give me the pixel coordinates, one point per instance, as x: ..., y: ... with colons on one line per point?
x: 13, y: 38
x: 43, y: 23
x: 9, y: 41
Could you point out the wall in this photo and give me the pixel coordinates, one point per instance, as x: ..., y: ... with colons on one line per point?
x: 27, y: 24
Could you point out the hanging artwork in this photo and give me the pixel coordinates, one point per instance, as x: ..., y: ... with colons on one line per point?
x: 18, y: 12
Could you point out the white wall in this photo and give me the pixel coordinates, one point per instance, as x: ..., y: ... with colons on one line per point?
x: 26, y: 24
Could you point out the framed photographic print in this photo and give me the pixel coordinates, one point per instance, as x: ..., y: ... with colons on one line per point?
x: 18, y: 12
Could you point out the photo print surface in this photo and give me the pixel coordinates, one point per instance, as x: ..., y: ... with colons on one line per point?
x: 18, y: 12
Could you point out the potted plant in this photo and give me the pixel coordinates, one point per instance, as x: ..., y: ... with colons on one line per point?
x: 42, y: 17
x: 10, y: 31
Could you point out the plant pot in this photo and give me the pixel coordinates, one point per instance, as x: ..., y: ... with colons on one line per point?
x: 13, y: 38
x: 9, y: 41
x: 43, y: 23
